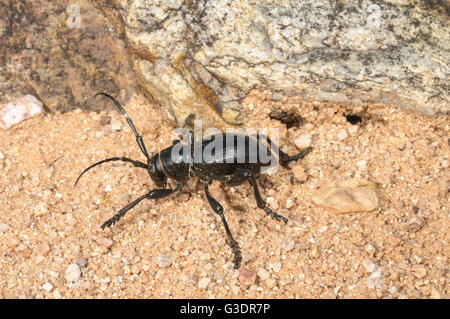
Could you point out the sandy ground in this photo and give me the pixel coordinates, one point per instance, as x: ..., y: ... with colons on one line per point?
x: 176, y: 247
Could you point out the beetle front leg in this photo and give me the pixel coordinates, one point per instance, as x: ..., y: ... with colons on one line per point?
x: 153, y: 194
x: 218, y: 209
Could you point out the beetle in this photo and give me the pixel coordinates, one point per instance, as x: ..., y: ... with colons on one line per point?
x: 226, y: 168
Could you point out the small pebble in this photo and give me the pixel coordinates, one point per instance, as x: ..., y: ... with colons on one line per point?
x: 288, y: 244
x: 73, y: 273
x: 263, y: 274
x: 374, y: 280
x: 105, y: 242
x: 235, y: 289
x: 289, y: 203
x: 203, y: 282
x: 342, y: 134
x: 352, y: 195
x: 435, y: 294
x: 47, y: 286
x: 19, y: 110
x: 4, y: 228
x: 276, y: 266
x: 81, y: 261
x: 247, y: 277
x: 105, y: 120
x: 40, y: 209
x: 116, y: 125
x: 415, y: 224
x: 39, y: 259
x: 164, y: 260
x: 420, y: 271
x: 272, y: 202
x: 303, y: 141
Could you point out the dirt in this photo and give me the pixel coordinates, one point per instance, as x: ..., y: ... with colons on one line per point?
x: 177, y: 247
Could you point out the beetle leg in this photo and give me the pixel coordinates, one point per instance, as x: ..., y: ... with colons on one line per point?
x: 218, y: 209
x: 287, y: 158
x: 153, y: 194
x: 283, y: 156
x: 259, y: 200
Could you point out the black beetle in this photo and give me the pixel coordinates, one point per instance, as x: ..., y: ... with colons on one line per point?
x: 168, y: 164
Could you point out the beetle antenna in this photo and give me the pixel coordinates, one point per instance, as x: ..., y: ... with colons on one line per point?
x: 111, y: 159
x: 130, y: 123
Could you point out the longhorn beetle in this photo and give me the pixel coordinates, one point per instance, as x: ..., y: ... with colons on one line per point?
x: 168, y: 164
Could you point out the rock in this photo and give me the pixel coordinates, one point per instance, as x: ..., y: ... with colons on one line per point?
x: 263, y: 274
x: 415, y: 224
x: 342, y: 134
x: 104, y: 120
x: 164, y: 260
x: 73, y: 273
x: 276, y: 266
x: 289, y: 203
x: 374, y: 280
x: 435, y: 293
x: 203, y: 56
x: 369, y: 265
x: 352, y: 195
x: 203, y: 283
x: 288, y: 244
x: 81, y: 261
x: 19, y: 110
x: 40, y: 43
x: 47, y: 286
x: 419, y: 271
x: 116, y: 125
x: 303, y: 141
x: 4, y: 228
x: 234, y: 289
x: 247, y: 277
x: 40, y: 209
x: 105, y: 242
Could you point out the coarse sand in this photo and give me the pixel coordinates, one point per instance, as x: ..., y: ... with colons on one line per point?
x: 52, y: 246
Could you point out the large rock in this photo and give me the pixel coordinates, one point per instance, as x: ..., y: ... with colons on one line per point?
x: 199, y: 56
x: 62, y: 52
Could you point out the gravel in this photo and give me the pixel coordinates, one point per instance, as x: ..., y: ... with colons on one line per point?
x: 406, y: 158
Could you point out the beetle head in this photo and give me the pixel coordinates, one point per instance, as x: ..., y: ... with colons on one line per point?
x: 156, y: 171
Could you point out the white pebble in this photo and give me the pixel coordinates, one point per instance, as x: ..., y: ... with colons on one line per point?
x: 116, y: 125
x: 3, y: 227
x: 73, y: 273
x: 361, y: 163
x: 263, y: 274
x: 288, y: 244
x: 108, y: 188
x: 289, y: 203
x: 47, y: 286
x: 204, y: 282
x: 304, y: 140
x: 19, y: 110
x: 272, y: 202
x: 276, y: 266
x: 342, y: 134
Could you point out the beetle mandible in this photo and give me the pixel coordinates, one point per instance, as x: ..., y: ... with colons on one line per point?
x: 164, y: 165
